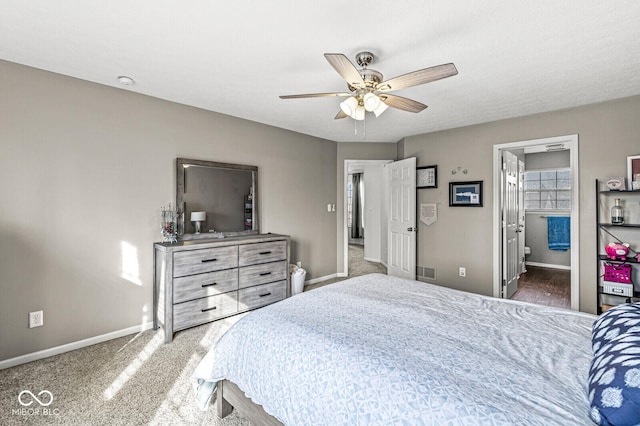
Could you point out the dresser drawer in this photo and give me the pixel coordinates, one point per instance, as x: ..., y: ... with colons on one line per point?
x: 203, y: 285
x: 250, y: 254
x: 200, y: 311
x: 253, y: 297
x: 205, y: 260
x: 262, y: 273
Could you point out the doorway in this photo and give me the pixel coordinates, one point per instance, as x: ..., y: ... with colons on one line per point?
x: 510, y: 246
x: 369, y: 246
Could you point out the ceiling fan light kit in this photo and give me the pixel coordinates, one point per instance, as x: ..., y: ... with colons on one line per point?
x: 368, y: 89
x: 359, y: 113
x: 349, y: 106
x: 371, y: 102
x: 382, y: 107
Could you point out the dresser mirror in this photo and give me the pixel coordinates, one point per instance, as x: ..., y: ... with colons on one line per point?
x: 223, y: 197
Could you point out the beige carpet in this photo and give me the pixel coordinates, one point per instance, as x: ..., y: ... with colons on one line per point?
x: 357, y: 266
x: 133, y: 380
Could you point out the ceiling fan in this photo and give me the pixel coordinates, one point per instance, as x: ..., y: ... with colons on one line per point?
x: 369, y: 92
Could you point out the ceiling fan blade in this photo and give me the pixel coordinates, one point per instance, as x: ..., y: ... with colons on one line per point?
x: 416, y: 78
x: 402, y: 103
x: 340, y: 115
x: 314, y: 95
x: 345, y: 68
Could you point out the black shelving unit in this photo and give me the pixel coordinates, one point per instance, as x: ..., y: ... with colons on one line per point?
x: 248, y: 212
x: 610, y: 229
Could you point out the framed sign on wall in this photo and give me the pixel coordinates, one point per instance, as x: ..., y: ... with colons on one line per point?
x: 465, y: 194
x: 427, y: 177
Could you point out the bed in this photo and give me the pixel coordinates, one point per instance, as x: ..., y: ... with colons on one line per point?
x: 384, y: 350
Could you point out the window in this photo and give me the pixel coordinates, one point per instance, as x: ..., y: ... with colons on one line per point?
x: 349, y: 199
x: 547, y: 189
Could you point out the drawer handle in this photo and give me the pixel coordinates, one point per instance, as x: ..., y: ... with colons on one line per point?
x: 209, y: 309
x: 208, y: 260
x: 265, y: 273
x: 208, y: 285
x: 265, y: 294
x: 265, y: 252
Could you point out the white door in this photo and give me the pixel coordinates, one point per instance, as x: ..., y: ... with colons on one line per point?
x: 401, y: 242
x: 509, y: 224
x: 522, y: 268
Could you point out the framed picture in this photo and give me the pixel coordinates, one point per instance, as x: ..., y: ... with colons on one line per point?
x: 633, y: 171
x: 465, y: 194
x: 427, y: 177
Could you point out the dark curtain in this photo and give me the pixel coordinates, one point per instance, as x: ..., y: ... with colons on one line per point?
x: 356, y: 206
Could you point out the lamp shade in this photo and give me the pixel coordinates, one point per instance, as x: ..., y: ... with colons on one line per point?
x: 349, y: 106
x: 380, y: 109
x: 371, y: 102
x: 198, y: 216
x: 358, y: 114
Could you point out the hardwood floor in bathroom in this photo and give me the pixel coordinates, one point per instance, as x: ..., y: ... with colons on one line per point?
x: 544, y: 286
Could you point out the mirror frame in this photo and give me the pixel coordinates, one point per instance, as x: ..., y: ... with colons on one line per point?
x: 180, y: 163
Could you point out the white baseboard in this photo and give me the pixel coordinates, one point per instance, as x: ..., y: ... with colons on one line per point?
x: 373, y: 260
x: 45, y: 353
x: 320, y: 279
x: 547, y: 265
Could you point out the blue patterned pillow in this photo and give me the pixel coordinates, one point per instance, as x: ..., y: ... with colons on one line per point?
x: 616, y: 321
x: 614, y: 377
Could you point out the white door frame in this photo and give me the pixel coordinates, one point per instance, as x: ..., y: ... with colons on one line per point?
x: 571, y: 141
x: 345, y: 230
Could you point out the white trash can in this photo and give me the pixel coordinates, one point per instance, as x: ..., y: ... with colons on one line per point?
x: 297, y: 279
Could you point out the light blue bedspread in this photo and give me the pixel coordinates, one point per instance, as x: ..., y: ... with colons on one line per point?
x: 378, y: 350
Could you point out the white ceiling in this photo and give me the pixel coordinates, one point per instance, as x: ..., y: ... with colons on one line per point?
x: 235, y: 57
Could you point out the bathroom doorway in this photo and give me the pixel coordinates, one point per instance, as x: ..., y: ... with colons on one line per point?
x: 538, y: 245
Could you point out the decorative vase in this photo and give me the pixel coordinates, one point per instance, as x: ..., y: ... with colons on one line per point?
x: 617, y: 213
x: 169, y: 224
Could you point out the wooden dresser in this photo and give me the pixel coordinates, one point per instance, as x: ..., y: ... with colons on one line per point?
x: 200, y: 281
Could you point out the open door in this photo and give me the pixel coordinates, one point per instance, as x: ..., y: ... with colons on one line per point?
x: 522, y: 267
x: 510, y: 229
x: 401, y: 242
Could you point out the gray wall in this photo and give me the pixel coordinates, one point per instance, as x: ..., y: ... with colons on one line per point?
x: 85, y: 169
x: 535, y: 237
x: 608, y: 133
x: 547, y: 160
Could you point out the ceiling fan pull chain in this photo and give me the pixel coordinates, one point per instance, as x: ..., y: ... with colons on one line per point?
x: 364, y: 127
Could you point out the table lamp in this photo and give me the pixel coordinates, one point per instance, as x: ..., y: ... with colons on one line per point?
x: 197, y: 218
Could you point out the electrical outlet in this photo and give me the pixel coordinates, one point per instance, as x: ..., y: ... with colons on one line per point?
x: 299, y: 264
x: 329, y: 208
x: 36, y: 319
x: 462, y: 271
